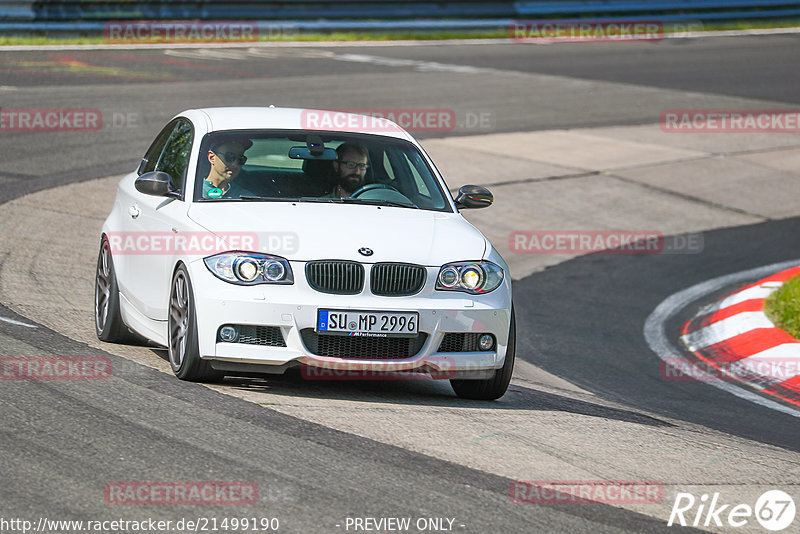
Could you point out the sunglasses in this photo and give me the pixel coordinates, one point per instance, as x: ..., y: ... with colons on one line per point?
x: 232, y: 157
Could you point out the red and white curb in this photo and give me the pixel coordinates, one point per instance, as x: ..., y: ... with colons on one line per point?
x: 735, y: 337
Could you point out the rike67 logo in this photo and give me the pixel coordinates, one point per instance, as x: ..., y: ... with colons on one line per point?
x: 774, y: 510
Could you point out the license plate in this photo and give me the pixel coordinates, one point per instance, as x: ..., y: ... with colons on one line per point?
x: 367, y: 324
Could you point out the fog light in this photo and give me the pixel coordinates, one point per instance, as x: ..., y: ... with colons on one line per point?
x: 228, y: 334
x: 486, y: 342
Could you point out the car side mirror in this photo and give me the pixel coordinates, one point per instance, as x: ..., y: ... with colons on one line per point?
x: 474, y: 196
x: 157, y: 184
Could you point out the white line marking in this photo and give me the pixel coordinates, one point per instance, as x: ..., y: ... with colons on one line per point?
x: 732, y: 33
x: 758, y: 292
x: 726, y: 329
x: 773, y: 358
x: 737, y: 298
x: 422, y: 66
x: 19, y: 323
x: 655, y: 331
x: 790, y: 351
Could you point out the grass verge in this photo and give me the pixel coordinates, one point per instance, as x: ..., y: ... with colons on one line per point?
x: 783, y: 307
x: 289, y: 37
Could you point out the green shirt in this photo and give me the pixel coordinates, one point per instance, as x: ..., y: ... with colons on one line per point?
x: 234, y: 191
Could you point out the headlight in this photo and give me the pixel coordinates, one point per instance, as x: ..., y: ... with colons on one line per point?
x: 250, y: 268
x: 448, y: 277
x: 246, y: 269
x: 473, y: 277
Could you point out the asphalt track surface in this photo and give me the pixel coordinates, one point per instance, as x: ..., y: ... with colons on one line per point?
x: 581, y: 320
x: 605, y: 299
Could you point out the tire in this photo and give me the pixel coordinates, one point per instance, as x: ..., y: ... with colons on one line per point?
x: 495, y: 387
x: 183, y: 346
x: 108, y: 323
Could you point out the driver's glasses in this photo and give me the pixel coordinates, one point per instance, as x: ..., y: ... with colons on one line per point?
x: 233, y: 157
x: 353, y: 165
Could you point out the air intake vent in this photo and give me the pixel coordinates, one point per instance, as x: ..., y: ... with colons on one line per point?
x: 254, y: 335
x: 396, y: 279
x: 337, y: 277
x: 362, y: 348
x: 460, y: 342
x: 261, y: 335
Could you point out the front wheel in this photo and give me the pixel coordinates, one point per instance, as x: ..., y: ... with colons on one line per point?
x: 495, y: 387
x: 184, y: 348
x: 108, y: 322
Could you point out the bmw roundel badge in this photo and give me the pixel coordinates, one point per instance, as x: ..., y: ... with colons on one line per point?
x: 364, y: 251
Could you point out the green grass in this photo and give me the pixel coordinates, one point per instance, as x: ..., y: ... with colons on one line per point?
x: 499, y: 33
x: 293, y: 37
x: 751, y: 25
x: 783, y: 307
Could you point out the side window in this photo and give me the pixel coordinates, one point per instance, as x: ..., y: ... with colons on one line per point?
x: 175, y: 157
x: 151, y: 157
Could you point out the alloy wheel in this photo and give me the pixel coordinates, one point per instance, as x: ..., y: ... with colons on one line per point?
x: 178, y: 320
x: 102, y: 291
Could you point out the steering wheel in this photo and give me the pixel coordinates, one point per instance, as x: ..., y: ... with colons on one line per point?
x: 371, y: 187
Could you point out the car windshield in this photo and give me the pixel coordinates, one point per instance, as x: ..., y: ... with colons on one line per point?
x: 269, y: 166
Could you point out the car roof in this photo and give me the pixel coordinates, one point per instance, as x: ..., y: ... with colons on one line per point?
x: 263, y: 118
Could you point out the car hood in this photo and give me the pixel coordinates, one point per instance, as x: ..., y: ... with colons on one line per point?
x: 305, y: 231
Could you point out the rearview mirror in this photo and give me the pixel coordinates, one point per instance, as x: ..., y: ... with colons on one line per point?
x: 303, y: 152
x: 156, y: 183
x: 474, y: 196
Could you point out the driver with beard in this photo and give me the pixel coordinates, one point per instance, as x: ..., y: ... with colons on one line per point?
x: 348, y: 170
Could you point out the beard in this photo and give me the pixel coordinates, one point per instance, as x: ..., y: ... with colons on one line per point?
x: 351, y: 183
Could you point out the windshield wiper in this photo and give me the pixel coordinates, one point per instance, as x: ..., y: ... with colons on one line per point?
x: 321, y: 199
x: 268, y: 199
x: 378, y: 202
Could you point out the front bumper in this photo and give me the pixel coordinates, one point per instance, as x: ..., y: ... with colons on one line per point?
x: 293, y: 309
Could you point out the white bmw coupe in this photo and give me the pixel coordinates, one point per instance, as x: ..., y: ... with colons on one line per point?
x: 255, y: 240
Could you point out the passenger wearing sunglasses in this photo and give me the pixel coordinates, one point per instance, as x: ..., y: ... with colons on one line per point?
x: 226, y: 158
x: 349, y: 170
